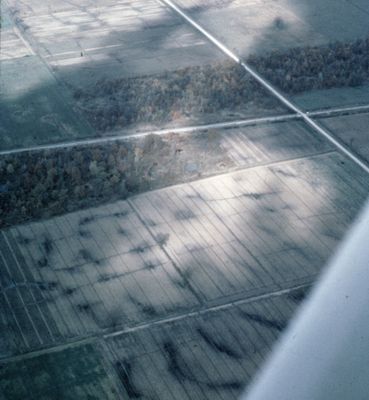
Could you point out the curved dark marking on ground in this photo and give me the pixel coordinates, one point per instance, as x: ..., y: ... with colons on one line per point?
x: 258, y: 196
x: 106, y: 277
x: 216, y: 345
x: 147, y: 309
x: 284, y: 173
x: 124, y: 370
x: 184, y: 280
x: 194, y: 196
x: 178, y: 368
x: 87, y: 257
x: 268, y: 323
x: 141, y: 248
x: 121, y: 214
x: 329, y: 233
x: 298, y: 295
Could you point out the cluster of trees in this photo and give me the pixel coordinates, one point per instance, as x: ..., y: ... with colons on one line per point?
x: 307, y: 68
x: 209, y: 89
x: 187, y: 92
x: 41, y: 184
x: 46, y: 183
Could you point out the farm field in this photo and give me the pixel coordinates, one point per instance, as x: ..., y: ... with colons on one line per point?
x: 261, y: 28
x: 164, y: 211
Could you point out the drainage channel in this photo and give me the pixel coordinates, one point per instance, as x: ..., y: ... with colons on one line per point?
x: 183, y: 130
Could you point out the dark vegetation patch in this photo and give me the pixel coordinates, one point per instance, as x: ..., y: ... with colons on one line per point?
x: 85, y: 307
x: 87, y: 257
x: 224, y: 86
x: 298, y: 295
x: 218, y: 345
x: 263, y: 321
x: 122, y: 231
x: 184, y: 214
x: 47, y: 245
x: 86, y: 220
x: 124, y: 370
x: 23, y: 240
x: 84, y: 234
x: 162, y: 238
x: 120, y: 214
x: 69, y: 291
x: 146, y: 309
x: 181, y: 370
x: 150, y: 266
x: 141, y: 248
x: 257, y: 196
x: 52, y: 285
x: 188, y: 92
x: 52, y: 182
x: 107, y: 277
x: 150, y: 222
x: 320, y: 67
x: 43, y: 262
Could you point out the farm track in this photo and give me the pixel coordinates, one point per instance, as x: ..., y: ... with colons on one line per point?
x: 267, y: 294
x: 337, y: 111
x: 298, y: 113
x: 269, y: 87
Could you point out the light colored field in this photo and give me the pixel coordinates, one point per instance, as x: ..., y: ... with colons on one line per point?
x: 108, y: 39
x: 174, y: 250
x: 329, y: 98
x: 352, y: 130
x: 172, y: 278
x: 261, y: 26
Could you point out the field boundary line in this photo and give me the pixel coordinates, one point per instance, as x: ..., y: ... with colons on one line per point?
x: 274, y: 91
x: 349, y: 110
x: 88, y: 339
